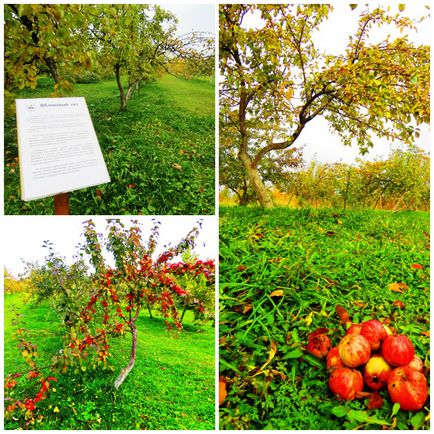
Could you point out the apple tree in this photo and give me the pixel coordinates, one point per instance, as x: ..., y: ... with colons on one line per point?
x: 275, y: 81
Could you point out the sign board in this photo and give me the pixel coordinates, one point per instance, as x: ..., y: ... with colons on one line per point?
x: 58, y: 148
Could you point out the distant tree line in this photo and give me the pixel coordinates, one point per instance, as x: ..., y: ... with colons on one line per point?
x: 402, y: 181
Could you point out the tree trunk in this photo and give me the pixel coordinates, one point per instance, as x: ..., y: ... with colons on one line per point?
x: 183, y: 313
x: 255, y: 180
x: 149, y: 311
x: 347, y: 187
x: 398, y: 202
x: 120, y: 87
x: 130, y: 365
x: 51, y: 63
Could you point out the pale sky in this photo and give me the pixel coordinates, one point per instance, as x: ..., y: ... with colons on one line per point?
x: 320, y: 143
x: 23, y: 236
x: 193, y: 17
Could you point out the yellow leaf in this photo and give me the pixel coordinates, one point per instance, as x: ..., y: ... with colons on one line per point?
x: 309, y: 319
x: 56, y: 410
x: 398, y: 287
x: 247, y: 308
x: 271, y: 354
x: 277, y: 293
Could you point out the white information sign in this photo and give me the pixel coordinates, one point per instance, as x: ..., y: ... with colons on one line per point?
x: 58, y: 148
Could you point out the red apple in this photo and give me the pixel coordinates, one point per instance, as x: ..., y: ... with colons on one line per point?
x: 416, y: 364
x: 354, y: 329
x: 376, y: 372
x: 374, y: 332
x: 319, y: 345
x: 397, y: 350
x: 333, y: 360
x: 408, y: 387
x: 354, y: 350
x: 346, y: 383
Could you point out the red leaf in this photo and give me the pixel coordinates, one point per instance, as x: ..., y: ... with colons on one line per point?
x: 417, y: 266
x: 399, y: 304
x: 343, y: 314
x: 376, y: 401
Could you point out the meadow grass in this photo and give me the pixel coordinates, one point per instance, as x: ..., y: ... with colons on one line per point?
x: 171, y: 386
x: 314, y: 260
x: 160, y: 152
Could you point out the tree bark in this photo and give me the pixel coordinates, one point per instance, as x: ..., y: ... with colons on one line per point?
x: 347, y: 186
x: 120, y: 87
x: 51, y: 63
x: 130, y: 365
x: 255, y: 180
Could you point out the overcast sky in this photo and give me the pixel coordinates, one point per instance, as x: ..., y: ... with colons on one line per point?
x: 23, y: 236
x: 193, y: 17
x: 319, y: 143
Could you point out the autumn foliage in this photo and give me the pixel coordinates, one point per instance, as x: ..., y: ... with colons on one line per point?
x: 114, y: 302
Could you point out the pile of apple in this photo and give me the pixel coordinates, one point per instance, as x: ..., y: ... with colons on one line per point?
x: 370, y: 355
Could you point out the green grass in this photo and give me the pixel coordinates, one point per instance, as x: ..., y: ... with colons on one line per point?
x: 169, y: 122
x: 171, y: 386
x: 319, y: 259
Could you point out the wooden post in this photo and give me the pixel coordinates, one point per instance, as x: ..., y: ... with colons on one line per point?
x: 61, y: 204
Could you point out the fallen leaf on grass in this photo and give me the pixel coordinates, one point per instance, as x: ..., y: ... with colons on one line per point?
x: 343, y: 314
x: 271, y: 354
x: 132, y: 185
x: 222, y: 390
x: 398, y: 287
x: 247, y: 308
x: 425, y: 334
x: 375, y: 402
x: 177, y: 166
x: 277, y: 293
x: 399, y: 304
x: 417, y: 266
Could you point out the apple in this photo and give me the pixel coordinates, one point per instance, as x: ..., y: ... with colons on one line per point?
x: 397, y: 350
x: 345, y: 383
x: 354, y: 329
x: 376, y: 372
x: 354, y: 350
x: 333, y: 360
x: 374, y: 332
x: 416, y: 364
x: 319, y: 345
x: 408, y: 387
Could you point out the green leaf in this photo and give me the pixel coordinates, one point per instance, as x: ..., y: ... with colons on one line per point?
x: 340, y: 411
x: 362, y: 416
x: 313, y: 360
x: 295, y: 354
x: 417, y: 420
x: 395, y: 408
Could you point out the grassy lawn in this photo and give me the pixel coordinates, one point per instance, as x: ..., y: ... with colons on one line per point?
x: 316, y: 260
x: 171, y: 386
x: 159, y: 153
